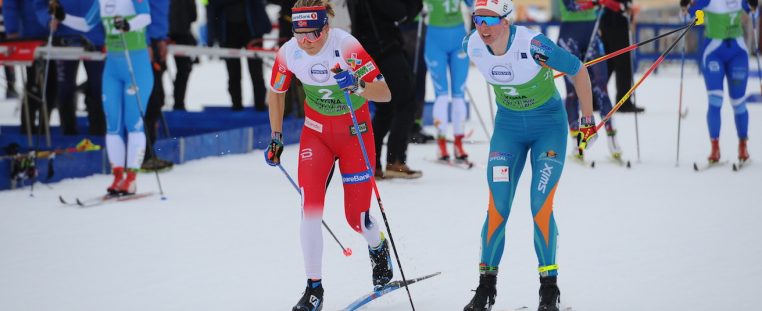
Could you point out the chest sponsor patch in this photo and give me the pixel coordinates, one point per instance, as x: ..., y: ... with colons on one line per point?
x: 502, y: 73
x: 500, y: 173
x: 319, y: 73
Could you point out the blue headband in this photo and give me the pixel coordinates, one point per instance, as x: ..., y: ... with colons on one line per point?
x: 309, y: 17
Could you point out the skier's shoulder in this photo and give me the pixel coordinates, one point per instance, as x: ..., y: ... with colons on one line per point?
x: 468, y: 39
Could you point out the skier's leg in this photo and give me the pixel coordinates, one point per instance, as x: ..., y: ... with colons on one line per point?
x: 547, y: 158
x: 136, y: 140
x: 714, y: 74
x: 315, y: 162
x: 437, y: 62
x: 737, y: 71
x: 113, y: 108
x: 356, y: 177
x: 506, y: 161
x: 458, y: 75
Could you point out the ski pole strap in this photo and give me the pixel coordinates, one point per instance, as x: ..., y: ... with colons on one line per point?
x: 546, y: 269
x: 485, y: 269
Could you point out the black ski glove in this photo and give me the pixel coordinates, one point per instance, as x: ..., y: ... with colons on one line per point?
x: 121, y: 24
x: 753, y: 4
x: 685, y: 3
x: 56, y: 10
x: 274, y: 149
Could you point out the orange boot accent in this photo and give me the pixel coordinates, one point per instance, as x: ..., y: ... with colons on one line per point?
x: 460, y: 153
x: 129, y: 185
x: 118, y: 177
x: 442, y: 143
x: 743, y: 152
x: 715, y: 155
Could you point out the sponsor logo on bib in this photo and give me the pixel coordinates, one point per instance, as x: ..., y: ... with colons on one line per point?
x: 319, y: 73
x: 502, y: 73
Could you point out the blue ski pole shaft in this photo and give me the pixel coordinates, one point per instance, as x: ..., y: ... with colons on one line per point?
x: 375, y: 189
x: 593, y: 35
x: 346, y: 251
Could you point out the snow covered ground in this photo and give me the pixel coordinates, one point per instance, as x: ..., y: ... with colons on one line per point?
x: 654, y: 237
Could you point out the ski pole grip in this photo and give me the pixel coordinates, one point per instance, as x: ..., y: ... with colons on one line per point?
x: 699, y: 17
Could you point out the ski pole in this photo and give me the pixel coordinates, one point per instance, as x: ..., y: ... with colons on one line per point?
x: 45, y: 122
x: 25, y: 108
x: 418, y: 44
x: 696, y: 21
x: 134, y: 88
x: 347, y: 251
x: 756, y: 46
x: 375, y: 190
x: 632, y: 72
x: 629, y: 48
x: 593, y: 35
x: 478, y: 114
x: 680, y: 103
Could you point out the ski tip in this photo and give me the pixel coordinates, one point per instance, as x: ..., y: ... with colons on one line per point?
x: 629, y: 165
x: 60, y: 198
x: 695, y: 167
x: 735, y: 168
x: 592, y: 164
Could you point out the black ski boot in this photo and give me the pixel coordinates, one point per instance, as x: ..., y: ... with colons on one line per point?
x: 485, y: 294
x: 381, y: 262
x: 550, y: 295
x: 312, y: 300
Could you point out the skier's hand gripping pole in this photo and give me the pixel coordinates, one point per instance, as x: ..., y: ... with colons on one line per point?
x: 698, y: 20
x: 587, y: 133
x: 345, y: 250
x: 375, y: 187
x: 274, y: 150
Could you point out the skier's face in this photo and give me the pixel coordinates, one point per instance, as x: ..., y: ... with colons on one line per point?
x: 311, y: 40
x: 483, y: 18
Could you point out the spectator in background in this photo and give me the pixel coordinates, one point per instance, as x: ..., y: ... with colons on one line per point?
x: 92, y: 40
x: 295, y: 93
x: 157, y: 37
x: 238, y: 24
x: 182, y: 14
x: 10, y: 72
x: 21, y: 23
x: 413, y: 44
x: 374, y: 24
x: 615, y: 33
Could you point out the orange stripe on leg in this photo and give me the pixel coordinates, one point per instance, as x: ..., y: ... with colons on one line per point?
x: 542, y: 219
x: 494, y: 219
